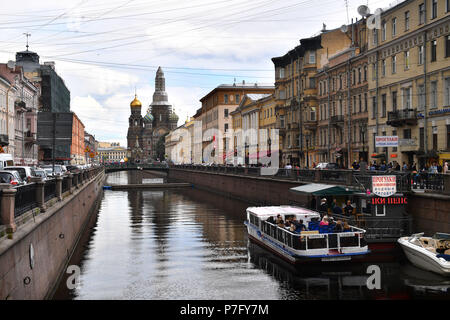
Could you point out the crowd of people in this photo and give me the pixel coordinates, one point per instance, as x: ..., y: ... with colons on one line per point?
x: 434, y: 167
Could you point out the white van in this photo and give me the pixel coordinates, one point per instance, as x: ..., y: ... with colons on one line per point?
x: 6, y: 160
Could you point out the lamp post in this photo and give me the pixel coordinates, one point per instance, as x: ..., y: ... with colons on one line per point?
x: 307, y: 137
x: 362, y: 128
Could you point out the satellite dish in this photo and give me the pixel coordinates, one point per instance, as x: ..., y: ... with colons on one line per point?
x: 344, y: 28
x: 364, y: 10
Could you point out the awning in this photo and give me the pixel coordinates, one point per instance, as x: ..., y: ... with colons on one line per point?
x: 318, y: 189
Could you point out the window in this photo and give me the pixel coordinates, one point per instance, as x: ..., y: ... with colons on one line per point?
x: 353, y: 76
x: 447, y: 92
x: 375, y: 36
x: 312, y: 83
x: 225, y: 98
x: 312, y: 57
x: 340, y: 82
x: 406, y: 20
x: 421, y: 91
x: 359, y: 75
x: 374, y: 71
x: 433, y: 94
x: 421, y: 138
x: 365, y: 102
x: 433, y: 9
x: 226, y: 127
x: 394, y: 133
x: 433, y: 50
x: 394, y: 27
x: 374, y: 107
x: 281, y: 73
x: 407, y: 98
x: 237, y: 98
x: 365, y: 71
x: 421, y: 54
x: 421, y: 13
x: 282, y: 94
x: 447, y: 6
x: 225, y: 111
x: 448, y: 135
x: 383, y: 105
x: 406, y: 133
x: 447, y: 45
x: 394, y: 64
x: 394, y: 100
x: 354, y: 104
x: 360, y: 103
x: 383, y: 31
x: 435, y: 139
x: 383, y: 67
x: 407, y: 60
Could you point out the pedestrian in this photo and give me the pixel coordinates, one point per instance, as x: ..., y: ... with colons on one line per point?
x: 445, y: 169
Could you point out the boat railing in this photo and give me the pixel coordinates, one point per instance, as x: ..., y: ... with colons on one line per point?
x: 333, y: 240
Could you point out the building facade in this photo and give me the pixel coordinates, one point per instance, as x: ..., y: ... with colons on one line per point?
x: 19, y: 114
x: 114, y: 153
x: 215, y: 117
x: 409, y: 83
x: 77, y: 147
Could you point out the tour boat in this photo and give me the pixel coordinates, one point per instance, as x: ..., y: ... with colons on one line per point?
x: 318, y: 244
x: 428, y: 253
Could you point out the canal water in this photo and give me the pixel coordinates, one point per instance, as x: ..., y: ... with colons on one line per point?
x: 192, y: 244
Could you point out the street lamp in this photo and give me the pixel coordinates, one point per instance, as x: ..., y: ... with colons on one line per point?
x: 307, y: 137
x: 362, y: 128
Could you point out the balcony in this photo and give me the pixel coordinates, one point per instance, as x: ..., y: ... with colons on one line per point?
x: 310, y: 124
x: 337, y: 120
x: 30, y: 137
x: 402, y: 117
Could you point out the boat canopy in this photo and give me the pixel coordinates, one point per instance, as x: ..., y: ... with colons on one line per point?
x: 319, y: 189
x: 265, y: 212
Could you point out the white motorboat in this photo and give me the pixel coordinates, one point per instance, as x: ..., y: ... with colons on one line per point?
x: 318, y: 243
x: 428, y: 253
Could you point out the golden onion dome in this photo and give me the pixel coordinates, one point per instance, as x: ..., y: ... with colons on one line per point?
x: 135, y: 102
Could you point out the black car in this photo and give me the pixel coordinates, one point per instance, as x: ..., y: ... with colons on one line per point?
x: 72, y: 169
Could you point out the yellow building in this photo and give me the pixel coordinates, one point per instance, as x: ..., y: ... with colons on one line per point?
x: 296, y: 93
x: 409, y: 82
x: 215, y: 117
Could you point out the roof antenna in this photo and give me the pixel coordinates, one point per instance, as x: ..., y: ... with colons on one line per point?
x: 27, y: 35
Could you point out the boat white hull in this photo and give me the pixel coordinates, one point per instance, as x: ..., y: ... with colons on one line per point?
x: 424, y: 259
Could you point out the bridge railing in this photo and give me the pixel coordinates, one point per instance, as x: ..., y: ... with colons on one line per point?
x: 37, y: 194
x: 362, y: 180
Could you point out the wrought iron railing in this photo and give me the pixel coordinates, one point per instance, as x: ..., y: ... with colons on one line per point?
x: 25, y: 199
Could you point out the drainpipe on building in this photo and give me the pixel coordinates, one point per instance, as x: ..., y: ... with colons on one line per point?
x: 329, y: 113
x: 425, y: 118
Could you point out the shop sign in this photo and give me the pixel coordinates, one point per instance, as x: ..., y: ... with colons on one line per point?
x: 384, y: 186
x: 386, y: 141
x: 396, y: 200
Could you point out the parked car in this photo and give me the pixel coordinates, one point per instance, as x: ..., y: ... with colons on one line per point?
x: 39, y: 172
x: 12, y: 177
x: 72, y: 168
x: 25, y: 172
x: 327, y: 165
x: 49, y: 170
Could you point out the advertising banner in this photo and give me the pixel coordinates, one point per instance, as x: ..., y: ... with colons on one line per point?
x: 384, y: 186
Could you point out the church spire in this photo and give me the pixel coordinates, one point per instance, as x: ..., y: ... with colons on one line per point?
x: 160, y: 95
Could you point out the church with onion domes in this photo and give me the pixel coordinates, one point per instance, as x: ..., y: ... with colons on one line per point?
x: 144, y: 132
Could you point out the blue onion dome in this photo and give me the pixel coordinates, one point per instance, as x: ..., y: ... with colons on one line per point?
x: 148, y: 117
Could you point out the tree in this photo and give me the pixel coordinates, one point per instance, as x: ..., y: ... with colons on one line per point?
x: 161, y: 147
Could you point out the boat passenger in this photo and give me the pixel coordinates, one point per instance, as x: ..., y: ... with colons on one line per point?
x: 323, y: 205
x: 301, y: 227
x: 346, y: 227
x: 279, y: 221
x: 324, y: 222
x: 271, y: 219
x: 339, y: 227
x: 348, y: 210
x: 337, y: 210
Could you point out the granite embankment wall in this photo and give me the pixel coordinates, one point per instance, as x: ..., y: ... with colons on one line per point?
x: 32, y: 262
x: 430, y: 212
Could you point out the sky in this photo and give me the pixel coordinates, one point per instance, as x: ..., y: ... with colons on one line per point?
x: 106, y: 50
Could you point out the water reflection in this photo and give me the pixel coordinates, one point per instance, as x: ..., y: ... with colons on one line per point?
x: 192, y: 244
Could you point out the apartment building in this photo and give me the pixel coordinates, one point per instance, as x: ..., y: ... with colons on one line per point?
x: 216, y: 119
x: 409, y: 83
